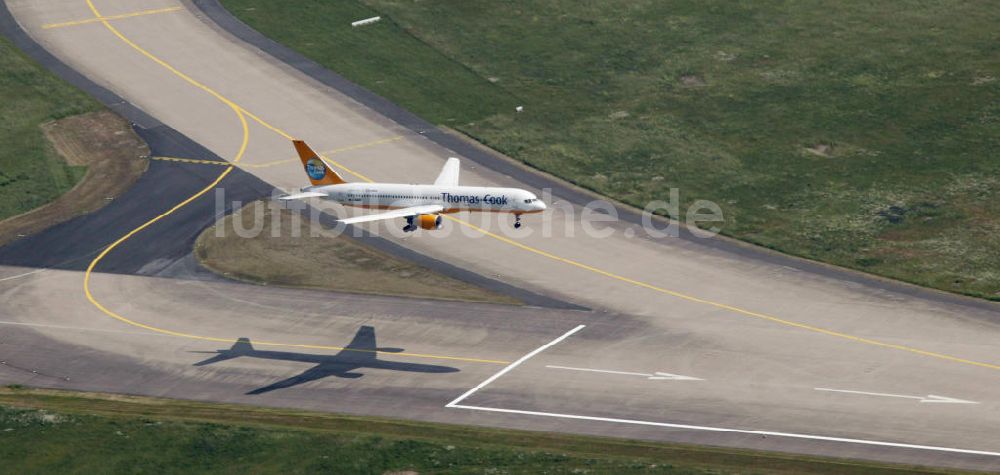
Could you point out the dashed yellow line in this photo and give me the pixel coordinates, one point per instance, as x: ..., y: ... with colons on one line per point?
x: 85, y: 21
x: 243, y: 112
x: 229, y: 168
x: 289, y: 137
x: 326, y: 153
x: 284, y: 160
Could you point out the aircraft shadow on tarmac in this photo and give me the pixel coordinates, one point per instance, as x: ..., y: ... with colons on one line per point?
x: 361, y: 353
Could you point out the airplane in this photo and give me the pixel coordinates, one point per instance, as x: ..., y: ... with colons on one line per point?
x: 360, y: 353
x: 421, y: 205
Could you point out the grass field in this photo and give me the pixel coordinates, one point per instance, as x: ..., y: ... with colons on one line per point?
x: 31, y: 172
x: 52, y: 431
x: 864, y: 134
x: 320, y: 260
x: 101, y: 143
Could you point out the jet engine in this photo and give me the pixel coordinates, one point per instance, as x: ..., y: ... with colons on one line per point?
x: 429, y: 221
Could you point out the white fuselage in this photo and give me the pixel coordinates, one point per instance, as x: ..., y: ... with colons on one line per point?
x: 450, y: 198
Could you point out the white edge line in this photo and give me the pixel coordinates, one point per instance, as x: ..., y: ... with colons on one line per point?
x: 513, y: 365
x: 723, y: 429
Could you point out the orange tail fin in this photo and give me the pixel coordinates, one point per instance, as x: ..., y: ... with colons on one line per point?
x: 318, y: 171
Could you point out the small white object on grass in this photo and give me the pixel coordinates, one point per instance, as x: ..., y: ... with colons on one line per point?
x: 519, y: 108
x: 366, y: 21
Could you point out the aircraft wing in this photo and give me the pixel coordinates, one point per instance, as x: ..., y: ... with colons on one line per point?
x: 449, y: 173
x: 396, y: 213
x: 312, y: 374
x: 302, y: 196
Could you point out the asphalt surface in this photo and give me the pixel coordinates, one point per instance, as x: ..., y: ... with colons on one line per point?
x: 756, y: 334
x: 73, y: 243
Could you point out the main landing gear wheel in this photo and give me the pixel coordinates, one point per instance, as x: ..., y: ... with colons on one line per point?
x: 409, y: 225
x: 517, y: 221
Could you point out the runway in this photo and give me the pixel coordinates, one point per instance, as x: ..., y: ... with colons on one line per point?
x: 755, y: 334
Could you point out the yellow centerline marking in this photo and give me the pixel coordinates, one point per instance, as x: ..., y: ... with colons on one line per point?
x: 243, y: 112
x: 229, y: 168
x: 720, y: 305
x: 48, y: 26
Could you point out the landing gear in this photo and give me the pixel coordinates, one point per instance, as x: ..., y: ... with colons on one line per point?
x: 410, y: 227
x: 517, y: 221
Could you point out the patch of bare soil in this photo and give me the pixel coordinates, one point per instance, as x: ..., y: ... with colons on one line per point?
x: 691, y: 80
x: 114, y: 155
x: 266, y: 244
x: 821, y: 149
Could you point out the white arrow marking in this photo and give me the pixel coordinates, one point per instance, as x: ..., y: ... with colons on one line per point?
x: 928, y: 398
x: 654, y: 376
x: 674, y: 377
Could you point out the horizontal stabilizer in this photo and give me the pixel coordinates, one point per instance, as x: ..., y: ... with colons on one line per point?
x: 449, y: 173
x: 242, y: 347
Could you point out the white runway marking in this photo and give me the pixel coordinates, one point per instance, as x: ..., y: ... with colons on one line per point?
x: 513, y: 365
x: 735, y: 431
x: 653, y: 376
x: 455, y: 404
x: 928, y: 398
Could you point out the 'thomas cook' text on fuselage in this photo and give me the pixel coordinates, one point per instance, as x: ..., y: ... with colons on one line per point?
x: 451, y: 198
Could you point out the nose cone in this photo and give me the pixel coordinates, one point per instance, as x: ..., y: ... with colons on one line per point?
x: 539, y: 205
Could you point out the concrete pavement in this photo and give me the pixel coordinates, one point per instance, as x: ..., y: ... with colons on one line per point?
x: 761, y: 336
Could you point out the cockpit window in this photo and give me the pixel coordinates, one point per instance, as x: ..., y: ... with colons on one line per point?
x: 530, y: 200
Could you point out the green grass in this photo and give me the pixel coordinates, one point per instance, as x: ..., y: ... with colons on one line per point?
x: 31, y: 172
x: 54, y: 431
x: 865, y: 134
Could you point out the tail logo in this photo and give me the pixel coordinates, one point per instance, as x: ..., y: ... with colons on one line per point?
x: 315, y: 169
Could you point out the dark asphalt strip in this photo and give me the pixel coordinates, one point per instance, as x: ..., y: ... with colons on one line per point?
x: 215, y: 12
x: 72, y: 244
